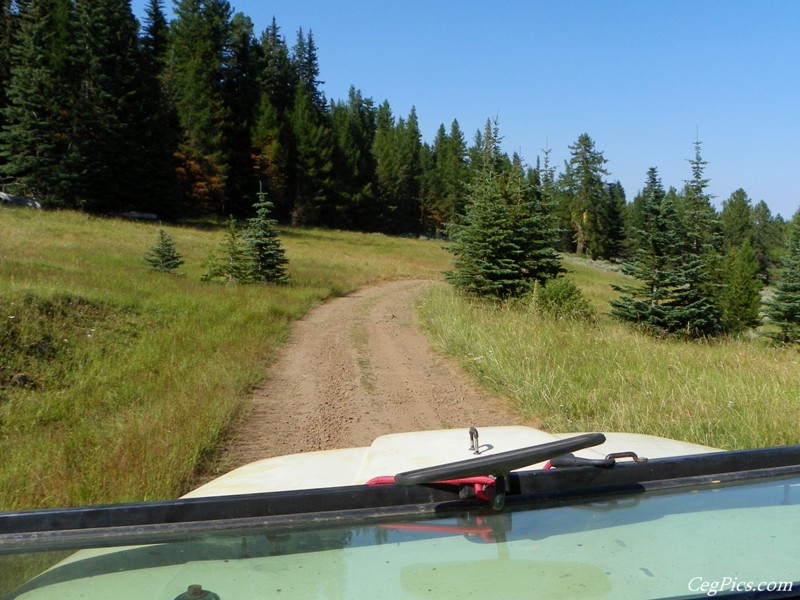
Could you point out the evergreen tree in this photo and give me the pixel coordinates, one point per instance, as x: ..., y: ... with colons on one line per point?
x: 664, y: 301
x: 199, y: 45
x: 164, y: 257
x: 611, y: 223
x: 354, y: 129
x: 313, y: 140
x: 405, y: 205
x: 306, y: 67
x: 234, y: 261
x: 397, y: 150
x: 271, y: 154
x: 158, y: 126
x: 736, y: 220
x: 433, y: 204
x: 386, y: 165
x: 783, y: 309
x: 313, y: 163
x: 269, y: 258
x: 272, y: 137
x: 741, y: 296
x: 8, y: 25
x: 701, y: 224
x: 699, y: 216
x: 444, y: 179
x: 109, y: 149
x: 505, y: 243
x: 768, y: 239
x: 588, y: 204
x: 242, y: 98
x: 277, y: 77
x: 155, y: 38
x: 41, y: 94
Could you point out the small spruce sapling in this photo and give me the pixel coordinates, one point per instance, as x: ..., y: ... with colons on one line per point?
x: 234, y: 263
x: 266, y: 250
x: 163, y: 257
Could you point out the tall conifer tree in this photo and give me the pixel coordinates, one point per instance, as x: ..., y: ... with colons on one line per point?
x: 741, y: 298
x: 354, y: 129
x: 664, y: 301
x: 242, y: 97
x: 736, y: 219
x: 701, y: 224
x: 588, y: 208
x: 110, y: 152
x: 313, y: 162
x: 506, y: 241
x: 36, y: 138
x: 158, y: 126
x: 8, y: 23
x: 272, y: 137
x: 397, y: 149
x: 195, y: 75
x: 783, y: 309
x: 445, y: 179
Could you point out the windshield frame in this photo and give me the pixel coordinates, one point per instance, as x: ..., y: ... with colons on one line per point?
x: 152, y: 522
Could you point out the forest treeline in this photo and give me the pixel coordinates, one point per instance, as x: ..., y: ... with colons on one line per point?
x: 191, y: 116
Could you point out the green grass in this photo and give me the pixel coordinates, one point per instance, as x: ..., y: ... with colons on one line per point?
x: 566, y: 376
x: 132, y: 377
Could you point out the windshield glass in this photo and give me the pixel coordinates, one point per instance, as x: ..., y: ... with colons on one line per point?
x: 696, y: 542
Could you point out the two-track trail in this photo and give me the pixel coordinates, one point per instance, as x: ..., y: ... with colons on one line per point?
x: 355, y: 368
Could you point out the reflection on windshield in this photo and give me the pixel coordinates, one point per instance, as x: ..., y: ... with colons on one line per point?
x: 650, y: 545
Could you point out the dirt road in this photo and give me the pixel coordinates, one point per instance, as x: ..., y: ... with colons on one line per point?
x: 355, y: 368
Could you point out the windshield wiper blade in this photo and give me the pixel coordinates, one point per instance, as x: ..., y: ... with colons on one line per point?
x: 501, y: 464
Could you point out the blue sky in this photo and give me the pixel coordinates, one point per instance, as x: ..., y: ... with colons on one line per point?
x: 643, y: 78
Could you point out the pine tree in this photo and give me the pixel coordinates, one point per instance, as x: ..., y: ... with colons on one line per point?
x: 783, y: 309
x: 313, y: 163
x: 354, y: 130
x: 699, y: 216
x: 664, y: 301
x: 110, y: 151
x: 242, y: 97
x: 8, y: 25
x: 736, y: 219
x: 155, y: 38
x: 612, y: 223
x: 272, y: 156
x: 269, y: 258
x: 306, y: 67
x: 313, y: 140
x: 41, y: 95
x: 397, y: 150
x: 505, y: 243
x: 277, y: 77
x: 234, y: 261
x: 272, y: 136
x: 741, y: 296
x: 164, y: 257
x: 768, y: 239
x: 158, y: 123
x: 590, y: 220
x: 200, y: 43
x: 444, y: 179
x: 701, y: 225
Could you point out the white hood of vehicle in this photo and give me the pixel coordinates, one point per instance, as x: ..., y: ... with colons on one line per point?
x: 399, y: 452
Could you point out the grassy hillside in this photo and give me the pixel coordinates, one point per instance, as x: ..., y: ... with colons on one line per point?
x: 115, y: 382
